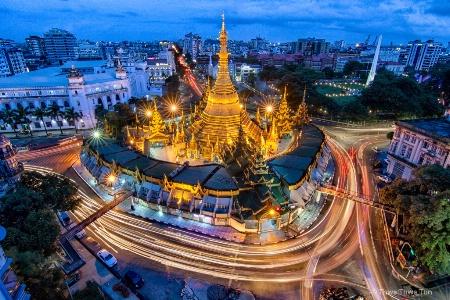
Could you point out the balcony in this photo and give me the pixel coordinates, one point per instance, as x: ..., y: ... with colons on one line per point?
x: 106, y: 93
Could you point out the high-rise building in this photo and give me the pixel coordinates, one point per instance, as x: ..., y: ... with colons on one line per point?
x: 11, y: 61
x: 192, y: 44
x: 60, y: 45
x: 422, y: 55
x: 36, y: 45
x: 317, y: 46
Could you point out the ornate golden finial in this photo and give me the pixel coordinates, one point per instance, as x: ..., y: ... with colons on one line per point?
x: 223, y: 20
x: 284, y: 96
x: 304, y: 95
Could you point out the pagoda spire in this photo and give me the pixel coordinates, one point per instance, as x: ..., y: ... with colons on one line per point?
x: 258, y: 117
x: 284, y: 116
x: 301, y: 116
x: 223, y: 84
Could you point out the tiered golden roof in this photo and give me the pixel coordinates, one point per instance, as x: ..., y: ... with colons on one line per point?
x: 223, y: 115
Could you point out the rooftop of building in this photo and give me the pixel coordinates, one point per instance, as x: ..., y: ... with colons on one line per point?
x: 50, y: 77
x: 437, y: 128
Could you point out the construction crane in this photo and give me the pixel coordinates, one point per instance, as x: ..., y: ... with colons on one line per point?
x: 375, y: 42
x: 367, y: 41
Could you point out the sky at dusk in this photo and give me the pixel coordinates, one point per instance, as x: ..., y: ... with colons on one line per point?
x: 399, y: 21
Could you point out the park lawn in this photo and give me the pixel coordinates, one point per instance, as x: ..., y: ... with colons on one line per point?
x: 343, y: 99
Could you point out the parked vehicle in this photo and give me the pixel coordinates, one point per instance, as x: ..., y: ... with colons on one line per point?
x: 107, y: 257
x: 134, y: 279
x: 64, y: 218
x: 384, y: 178
x: 376, y: 150
x: 80, y: 234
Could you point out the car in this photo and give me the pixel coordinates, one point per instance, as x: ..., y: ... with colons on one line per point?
x: 134, y: 279
x: 80, y: 234
x: 384, y: 178
x: 376, y: 150
x: 107, y: 257
x: 64, y: 218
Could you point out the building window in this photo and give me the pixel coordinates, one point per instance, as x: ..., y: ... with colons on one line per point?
x: 19, y: 105
x: 425, y: 145
x: 40, y: 93
x: 2, y: 127
x: 413, y: 140
x: 43, y: 105
x: 76, y: 92
x: 398, y: 169
x: 71, y: 123
x: 407, y: 137
x: 402, y: 153
x: 60, y: 123
x: 397, y: 133
x: 421, y: 158
x: 55, y: 103
x: 7, y: 106
x: 117, y: 97
x: 66, y: 104
x: 81, y: 113
x: 78, y: 103
x: 31, y: 105
x: 408, y: 153
x: 27, y: 93
x: 37, y: 124
x: 48, y: 124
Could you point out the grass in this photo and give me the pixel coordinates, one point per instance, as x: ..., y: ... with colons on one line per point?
x: 330, y: 90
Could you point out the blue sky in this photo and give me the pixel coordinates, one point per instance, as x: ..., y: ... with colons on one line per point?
x: 352, y: 20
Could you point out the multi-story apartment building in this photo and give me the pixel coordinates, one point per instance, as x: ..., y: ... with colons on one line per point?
x: 10, y: 287
x: 60, y: 45
x: 422, y: 55
x: 419, y: 142
x: 192, y: 44
x: 313, y: 45
x: 11, y: 61
x: 36, y: 45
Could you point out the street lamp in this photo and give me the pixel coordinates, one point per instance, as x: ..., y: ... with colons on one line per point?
x: 96, y: 134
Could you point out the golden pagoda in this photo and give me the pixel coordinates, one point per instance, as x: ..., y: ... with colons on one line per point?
x: 285, y: 122
x: 301, y: 116
x: 223, y: 114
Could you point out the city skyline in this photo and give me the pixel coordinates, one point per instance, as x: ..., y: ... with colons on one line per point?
x: 352, y: 21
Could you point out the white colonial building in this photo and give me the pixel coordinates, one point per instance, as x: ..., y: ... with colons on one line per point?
x: 419, y: 142
x: 83, y: 86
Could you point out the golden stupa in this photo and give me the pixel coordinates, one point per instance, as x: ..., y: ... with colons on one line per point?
x: 223, y: 114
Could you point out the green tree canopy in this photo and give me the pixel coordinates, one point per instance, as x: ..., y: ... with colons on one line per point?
x: 402, y: 96
x: 353, y: 67
x: 425, y: 201
x: 43, y: 279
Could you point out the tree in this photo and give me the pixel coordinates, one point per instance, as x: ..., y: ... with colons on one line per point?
x: 43, y: 279
x: 353, y: 67
x: 22, y: 114
x: 60, y: 193
x: 54, y: 111
x: 9, y: 117
x: 390, y: 135
x: 332, y: 293
x: 328, y: 72
x: 424, y: 201
x: 173, y: 85
x: 72, y: 115
x: 39, y: 114
x: 251, y: 79
x: 355, y: 110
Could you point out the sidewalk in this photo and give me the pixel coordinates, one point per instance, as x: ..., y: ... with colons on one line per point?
x: 96, y: 271
x: 305, y: 219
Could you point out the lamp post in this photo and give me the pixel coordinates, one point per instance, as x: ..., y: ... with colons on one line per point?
x: 269, y: 110
x: 148, y: 114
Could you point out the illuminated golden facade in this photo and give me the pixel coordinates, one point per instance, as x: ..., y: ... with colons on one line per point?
x: 223, y: 114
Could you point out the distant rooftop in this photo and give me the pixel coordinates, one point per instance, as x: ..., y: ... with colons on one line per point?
x: 53, y: 76
x: 438, y: 128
